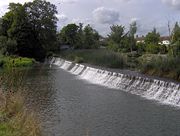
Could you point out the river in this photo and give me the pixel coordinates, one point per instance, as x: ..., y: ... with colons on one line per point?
x: 69, y: 106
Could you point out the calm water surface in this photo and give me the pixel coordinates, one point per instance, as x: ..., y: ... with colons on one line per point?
x: 68, y: 106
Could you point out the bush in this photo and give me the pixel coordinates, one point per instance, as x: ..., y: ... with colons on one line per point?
x: 152, y: 48
x: 17, y: 62
x: 78, y: 60
x: 163, y: 66
x: 101, y: 57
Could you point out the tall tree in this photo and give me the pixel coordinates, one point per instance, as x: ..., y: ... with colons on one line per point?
x: 31, y: 28
x: 42, y: 17
x: 69, y: 34
x: 176, y: 33
x: 118, y: 39
x: 117, y: 33
x: 132, y: 32
x: 91, y: 37
x: 152, y: 37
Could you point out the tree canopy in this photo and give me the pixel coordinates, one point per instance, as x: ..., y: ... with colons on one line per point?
x: 31, y: 28
x: 79, y: 37
x: 152, y: 37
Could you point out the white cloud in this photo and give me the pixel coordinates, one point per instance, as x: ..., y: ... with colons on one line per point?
x: 6, y: 2
x: 62, y: 17
x: 70, y: 1
x: 173, y: 3
x: 105, y: 16
x: 85, y: 21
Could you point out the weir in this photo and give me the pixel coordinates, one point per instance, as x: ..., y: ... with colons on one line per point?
x: 163, y: 91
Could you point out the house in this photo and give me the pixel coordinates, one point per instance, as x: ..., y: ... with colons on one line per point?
x: 140, y: 39
x: 164, y: 40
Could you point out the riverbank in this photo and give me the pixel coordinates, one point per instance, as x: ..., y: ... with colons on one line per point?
x: 15, y: 61
x: 15, y: 119
x: 149, y: 64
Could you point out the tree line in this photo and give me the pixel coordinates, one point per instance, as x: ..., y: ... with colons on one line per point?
x: 30, y: 30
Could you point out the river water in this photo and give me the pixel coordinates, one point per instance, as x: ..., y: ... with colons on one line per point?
x: 68, y: 106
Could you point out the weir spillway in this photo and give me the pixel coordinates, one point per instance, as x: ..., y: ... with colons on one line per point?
x: 165, y: 92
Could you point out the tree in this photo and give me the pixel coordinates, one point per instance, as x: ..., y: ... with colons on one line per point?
x: 68, y: 34
x: 42, y: 17
x: 117, y: 33
x: 91, y: 38
x: 78, y: 37
x: 175, y: 47
x: 118, y: 39
x: 176, y: 33
x: 152, y: 37
x: 132, y: 32
x: 30, y: 27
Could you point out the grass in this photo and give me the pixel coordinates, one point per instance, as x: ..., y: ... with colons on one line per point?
x: 168, y: 67
x: 7, y: 62
x: 150, y: 64
x: 99, y: 57
x: 15, y: 119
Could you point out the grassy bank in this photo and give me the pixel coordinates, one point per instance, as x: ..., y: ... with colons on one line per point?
x: 15, y: 120
x: 150, y: 64
x: 8, y: 61
x: 167, y: 67
x: 103, y: 58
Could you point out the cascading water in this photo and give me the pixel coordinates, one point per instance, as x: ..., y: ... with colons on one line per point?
x: 162, y: 91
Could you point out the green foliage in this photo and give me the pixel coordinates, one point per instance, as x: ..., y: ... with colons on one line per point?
x: 120, y: 41
x: 99, y: 57
x: 141, y: 47
x: 91, y: 38
x: 117, y: 34
x: 30, y: 29
x: 152, y: 48
x: 78, y: 60
x: 78, y: 37
x: 9, y: 62
x: 11, y: 47
x: 162, y: 66
x: 132, y: 32
x: 15, y: 120
x: 176, y: 33
x: 152, y: 37
x: 69, y: 34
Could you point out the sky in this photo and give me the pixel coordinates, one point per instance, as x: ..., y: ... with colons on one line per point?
x: 101, y: 14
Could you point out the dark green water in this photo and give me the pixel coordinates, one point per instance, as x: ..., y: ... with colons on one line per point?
x: 67, y: 106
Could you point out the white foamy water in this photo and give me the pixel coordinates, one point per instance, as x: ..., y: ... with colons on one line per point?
x: 162, y: 91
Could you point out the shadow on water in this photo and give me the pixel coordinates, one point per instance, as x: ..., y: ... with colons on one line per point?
x: 68, y: 106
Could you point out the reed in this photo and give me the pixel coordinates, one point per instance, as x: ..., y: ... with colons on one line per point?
x: 101, y: 57
x: 15, y: 118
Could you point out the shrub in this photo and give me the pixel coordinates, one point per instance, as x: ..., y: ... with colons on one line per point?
x: 78, y: 60
x: 163, y: 66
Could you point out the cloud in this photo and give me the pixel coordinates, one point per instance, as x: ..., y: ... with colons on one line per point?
x: 62, y: 17
x: 104, y: 15
x: 70, y: 1
x: 173, y: 3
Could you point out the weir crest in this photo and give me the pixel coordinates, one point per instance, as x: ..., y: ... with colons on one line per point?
x: 163, y: 91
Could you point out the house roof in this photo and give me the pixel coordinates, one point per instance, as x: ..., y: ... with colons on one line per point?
x: 140, y: 38
x: 163, y: 38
